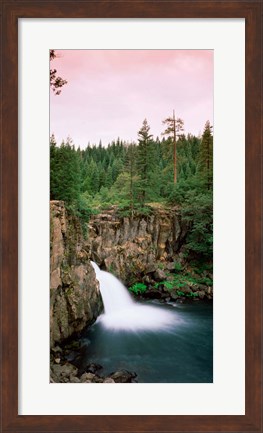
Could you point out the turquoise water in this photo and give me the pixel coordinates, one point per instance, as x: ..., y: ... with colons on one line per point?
x: 179, y: 353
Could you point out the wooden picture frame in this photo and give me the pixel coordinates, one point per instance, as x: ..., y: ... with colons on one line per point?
x: 12, y: 10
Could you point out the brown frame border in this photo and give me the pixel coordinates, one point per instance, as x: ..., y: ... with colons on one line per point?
x: 11, y: 11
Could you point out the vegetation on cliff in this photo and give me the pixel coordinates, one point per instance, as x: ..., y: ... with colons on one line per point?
x: 136, y: 177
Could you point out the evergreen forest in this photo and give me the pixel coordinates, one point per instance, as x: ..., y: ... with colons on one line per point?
x: 174, y: 171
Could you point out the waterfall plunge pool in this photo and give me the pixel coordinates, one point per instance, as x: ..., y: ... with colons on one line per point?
x: 161, y: 343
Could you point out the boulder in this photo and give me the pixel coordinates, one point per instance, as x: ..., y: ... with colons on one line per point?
x: 63, y: 373
x: 174, y: 295
x: 74, y: 379
x: 201, y: 294
x: 68, y: 369
x: 87, y: 377
x: 159, y: 275
x: 93, y: 368
x: 122, y: 376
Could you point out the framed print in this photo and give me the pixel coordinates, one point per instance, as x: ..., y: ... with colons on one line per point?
x: 189, y: 375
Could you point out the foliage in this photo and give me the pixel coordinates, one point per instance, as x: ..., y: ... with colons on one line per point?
x: 206, y: 155
x: 178, y: 267
x: 180, y: 293
x: 179, y: 281
x: 130, y: 177
x: 56, y: 82
x: 138, y: 288
x: 144, y: 162
x: 64, y: 172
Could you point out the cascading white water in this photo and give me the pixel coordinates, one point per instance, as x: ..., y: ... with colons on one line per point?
x: 122, y: 312
x: 114, y: 294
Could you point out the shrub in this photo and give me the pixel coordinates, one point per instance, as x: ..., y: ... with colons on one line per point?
x: 138, y: 288
x: 178, y: 267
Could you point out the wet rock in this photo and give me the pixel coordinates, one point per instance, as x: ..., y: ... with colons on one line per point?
x: 108, y: 380
x: 74, y: 379
x: 69, y: 369
x: 56, y: 370
x: 87, y: 377
x: 98, y: 379
x: 71, y: 356
x: 62, y: 373
x: 122, y: 376
x: 93, y: 368
x: 181, y: 300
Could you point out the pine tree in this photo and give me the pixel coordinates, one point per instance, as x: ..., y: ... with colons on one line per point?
x: 143, y: 160
x: 53, y: 168
x: 94, y: 177
x: 130, y: 167
x: 65, y: 177
x: 174, y: 127
x: 108, y: 180
x: 206, y: 155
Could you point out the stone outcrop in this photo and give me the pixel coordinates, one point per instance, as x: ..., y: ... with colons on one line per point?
x: 133, y: 247
x: 75, y: 299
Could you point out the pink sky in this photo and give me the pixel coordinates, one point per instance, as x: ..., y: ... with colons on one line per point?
x: 110, y: 92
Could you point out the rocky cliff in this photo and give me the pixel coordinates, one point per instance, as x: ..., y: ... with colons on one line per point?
x: 131, y: 247
x: 75, y: 299
x: 149, y: 250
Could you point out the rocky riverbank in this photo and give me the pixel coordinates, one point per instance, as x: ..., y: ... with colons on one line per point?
x: 66, y: 366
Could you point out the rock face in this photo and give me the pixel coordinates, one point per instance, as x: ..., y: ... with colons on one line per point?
x: 131, y: 247
x: 75, y: 299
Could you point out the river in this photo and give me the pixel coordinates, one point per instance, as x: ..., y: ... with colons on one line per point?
x: 162, y: 343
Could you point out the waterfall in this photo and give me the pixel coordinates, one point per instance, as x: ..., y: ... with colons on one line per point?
x: 114, y: 294
x: 121, y: 312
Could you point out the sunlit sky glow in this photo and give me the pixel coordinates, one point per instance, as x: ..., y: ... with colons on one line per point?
x: 110, y: 92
